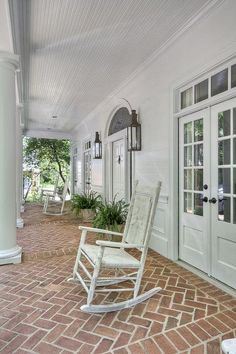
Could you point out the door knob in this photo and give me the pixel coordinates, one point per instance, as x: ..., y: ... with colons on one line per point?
x: 205, y: 199
x: 212, y: 200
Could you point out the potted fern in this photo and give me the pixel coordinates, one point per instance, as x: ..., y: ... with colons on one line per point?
x: 85, y: 205
x: 111, y: 216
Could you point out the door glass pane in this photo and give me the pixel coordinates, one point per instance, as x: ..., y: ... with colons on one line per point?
x: 188, y: 132
x: 233, y: 75
x: 188, y: 202
x: 234, y: 181
x: 187, y: 156
x: 186, y: 98
x: 234, y: 151
x: 219, y: 82
x: 234, y: 121
x: 224, y: 123
x: 198, y: 130
x: 224, y: 152
x: 188, y: 179
x: 224, y: 180
x: 198, y: 204
x: 201, y: 91
x: 198, y: 155
x: 198, y: 179
x: 234, y: 210
x: 224, y: 209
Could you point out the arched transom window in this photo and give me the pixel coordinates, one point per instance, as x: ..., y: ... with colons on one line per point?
x: 120, y: 121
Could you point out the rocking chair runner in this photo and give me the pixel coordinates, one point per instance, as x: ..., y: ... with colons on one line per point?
x: 52, y: 206
x: 112, y: 255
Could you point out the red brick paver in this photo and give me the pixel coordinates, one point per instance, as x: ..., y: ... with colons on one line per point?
x: 40, y: 310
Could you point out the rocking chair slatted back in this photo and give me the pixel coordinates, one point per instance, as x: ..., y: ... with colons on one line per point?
x: 141, y: 213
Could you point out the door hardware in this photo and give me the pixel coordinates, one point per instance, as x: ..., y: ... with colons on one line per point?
x: 212, y: 200
x: 205, y: 186
x: 205, y: 199
x: 119, y: 159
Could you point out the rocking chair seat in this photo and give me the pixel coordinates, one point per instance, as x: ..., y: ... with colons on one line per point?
x: 112, y: 257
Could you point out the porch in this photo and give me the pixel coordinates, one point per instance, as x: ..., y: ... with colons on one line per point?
x: 40, y: 310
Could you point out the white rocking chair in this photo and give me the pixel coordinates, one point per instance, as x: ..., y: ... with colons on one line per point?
x: 50, y: 192
x: 112, y: 255
x: 54, y: 205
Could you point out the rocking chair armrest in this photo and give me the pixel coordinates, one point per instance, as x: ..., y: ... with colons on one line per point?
x: 118, y: 244
x: 102, y: 231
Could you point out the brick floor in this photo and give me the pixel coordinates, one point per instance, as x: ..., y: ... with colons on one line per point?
x: 40, y: 310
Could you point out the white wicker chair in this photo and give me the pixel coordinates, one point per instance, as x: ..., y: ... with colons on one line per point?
x: 111, y: 255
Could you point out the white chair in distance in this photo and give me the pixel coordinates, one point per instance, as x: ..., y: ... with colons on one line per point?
x: 109, y: 255
x: 54, y: 205
x: 51, y: 192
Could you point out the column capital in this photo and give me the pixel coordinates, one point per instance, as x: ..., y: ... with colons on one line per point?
x: 9, y: 58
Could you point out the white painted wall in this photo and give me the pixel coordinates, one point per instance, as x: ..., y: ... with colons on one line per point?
x: 150, y: 92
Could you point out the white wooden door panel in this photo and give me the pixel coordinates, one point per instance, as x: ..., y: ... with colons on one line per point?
x: 118, y: 170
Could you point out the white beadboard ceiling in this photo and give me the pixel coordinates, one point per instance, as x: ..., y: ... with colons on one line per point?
x: 74, y: 53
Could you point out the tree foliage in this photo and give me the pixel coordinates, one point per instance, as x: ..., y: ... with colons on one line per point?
x: 47, y: 155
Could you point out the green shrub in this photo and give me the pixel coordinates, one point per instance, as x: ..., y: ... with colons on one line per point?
x: 110, y: 215
x: 89, y: 200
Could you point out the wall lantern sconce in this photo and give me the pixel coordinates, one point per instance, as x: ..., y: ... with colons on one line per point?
x: 134, y: 133
x: 97, y: 147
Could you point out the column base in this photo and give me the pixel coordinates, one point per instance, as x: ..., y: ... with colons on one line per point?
x: 19, y: 223
x: 12, y: 255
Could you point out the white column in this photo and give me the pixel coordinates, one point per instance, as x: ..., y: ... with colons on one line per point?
x: 19, y: 147
x: 9, y: 251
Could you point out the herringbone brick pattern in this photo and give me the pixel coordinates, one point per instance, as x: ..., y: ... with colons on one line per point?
x: 40, y: 310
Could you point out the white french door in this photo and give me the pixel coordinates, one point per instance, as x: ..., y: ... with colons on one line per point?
x: 223, y: 211
x: 194, y: 175
x: 207, y: 191
x: 118, y: 169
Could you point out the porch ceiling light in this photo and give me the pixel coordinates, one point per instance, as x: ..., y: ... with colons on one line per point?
x: 134, y: 133
x: 97, y: 147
